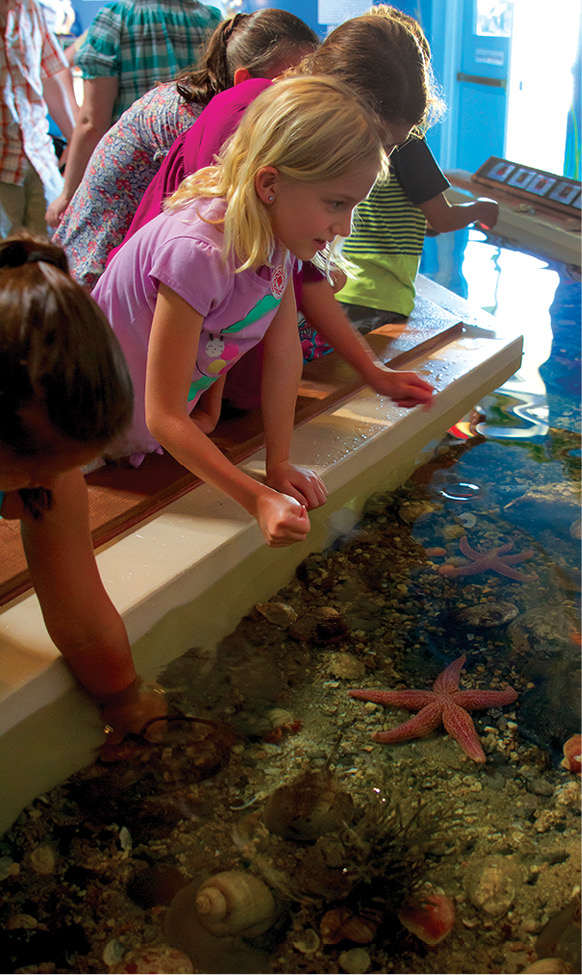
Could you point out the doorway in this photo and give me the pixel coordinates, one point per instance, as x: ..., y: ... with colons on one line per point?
x: 510, y: 85
x: 541, y: 85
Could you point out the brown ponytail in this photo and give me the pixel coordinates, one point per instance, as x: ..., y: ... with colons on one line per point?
x: 260, y: 42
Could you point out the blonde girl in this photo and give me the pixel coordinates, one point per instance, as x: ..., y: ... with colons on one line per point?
x: 204, y: 281
x: 383, y: 60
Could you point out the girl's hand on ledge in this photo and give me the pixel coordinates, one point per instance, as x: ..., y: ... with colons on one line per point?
x: 298, y: 482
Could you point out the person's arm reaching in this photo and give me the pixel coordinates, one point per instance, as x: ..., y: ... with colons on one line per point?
x: 444, y: 216
x: 60, y: 99
x: 282, y: 364
x: 78, y: 613
x: 325, y: 313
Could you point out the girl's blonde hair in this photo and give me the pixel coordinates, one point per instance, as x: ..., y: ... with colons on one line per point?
x: 311, y: 129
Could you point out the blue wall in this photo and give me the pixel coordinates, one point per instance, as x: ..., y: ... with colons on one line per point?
x: 309, y: 10
x: 86, y: 10
x: 427, y: 12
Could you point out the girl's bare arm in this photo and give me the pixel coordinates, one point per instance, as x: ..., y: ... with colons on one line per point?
x: 325, y: 313
x: 79, y: 615
x: 282, y: 365
x: 172, y: 352
x: 93, y: 121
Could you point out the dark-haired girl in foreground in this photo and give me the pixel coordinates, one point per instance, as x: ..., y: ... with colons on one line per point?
x: 65, y: 392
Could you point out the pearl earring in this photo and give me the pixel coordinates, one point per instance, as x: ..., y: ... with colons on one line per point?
x: 270, y: 199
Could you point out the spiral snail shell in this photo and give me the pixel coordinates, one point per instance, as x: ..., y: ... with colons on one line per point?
x: 235, y: 902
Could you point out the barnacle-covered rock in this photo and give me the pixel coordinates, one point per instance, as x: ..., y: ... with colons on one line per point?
x: 154, y: 958
x: 491, y: 884
x: 486, y: 614
x: 323, y: 624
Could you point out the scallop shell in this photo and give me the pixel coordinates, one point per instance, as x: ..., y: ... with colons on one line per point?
x: 430, y: 919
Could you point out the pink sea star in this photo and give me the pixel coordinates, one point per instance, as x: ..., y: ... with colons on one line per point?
x: 445, y: 704
x: 495, y: 559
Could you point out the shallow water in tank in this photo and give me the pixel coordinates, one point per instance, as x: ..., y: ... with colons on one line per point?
x: 364, y: 851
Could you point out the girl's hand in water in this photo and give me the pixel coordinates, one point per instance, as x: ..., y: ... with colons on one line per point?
x: 139, y: 709
x: 282, y: 519
x: 404, y: 388
x: 299, y: 482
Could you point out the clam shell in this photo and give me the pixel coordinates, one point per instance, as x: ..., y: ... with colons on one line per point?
x: 308, y: 807
x: 339, y: 924
x: 486, y: 615
x: 281, y: 614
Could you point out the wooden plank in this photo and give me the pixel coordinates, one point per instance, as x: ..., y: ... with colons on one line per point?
x: 120, y: 497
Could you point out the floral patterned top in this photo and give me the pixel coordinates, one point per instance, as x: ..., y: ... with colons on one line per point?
x: 119, y: 171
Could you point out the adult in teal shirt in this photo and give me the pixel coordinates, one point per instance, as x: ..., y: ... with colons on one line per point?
x: 130, y: 47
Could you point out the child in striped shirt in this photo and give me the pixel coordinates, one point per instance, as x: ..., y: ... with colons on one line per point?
x: 387, y: 237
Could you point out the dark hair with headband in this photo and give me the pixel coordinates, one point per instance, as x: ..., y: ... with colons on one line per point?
x: 57, y: 352
x: 261, y: 42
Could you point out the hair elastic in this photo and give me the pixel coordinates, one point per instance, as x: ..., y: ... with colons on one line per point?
x: 15, y: 254
x: 232, y: 26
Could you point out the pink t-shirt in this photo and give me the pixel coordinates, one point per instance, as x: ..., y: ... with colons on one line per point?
x: 184, y: 251
x: 198, y: 147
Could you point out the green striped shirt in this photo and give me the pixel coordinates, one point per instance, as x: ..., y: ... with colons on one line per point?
x: 386, y: 223
x: 386, y: 242
x: 385, y: 248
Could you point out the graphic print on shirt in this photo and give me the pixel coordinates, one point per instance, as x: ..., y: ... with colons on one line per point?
x: 217, y: 354
x: 220, y: 353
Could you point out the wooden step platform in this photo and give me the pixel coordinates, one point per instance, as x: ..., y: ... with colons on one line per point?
x: 120, y: 497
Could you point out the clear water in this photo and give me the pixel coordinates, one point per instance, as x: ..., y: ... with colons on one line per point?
x: 543, y: 298
x: 100, y: 874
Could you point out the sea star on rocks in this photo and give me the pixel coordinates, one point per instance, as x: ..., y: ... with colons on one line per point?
x: 495, y: 559
x: 445, y: 704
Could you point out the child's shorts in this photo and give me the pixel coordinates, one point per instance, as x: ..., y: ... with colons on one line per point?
x: 312, y: 344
